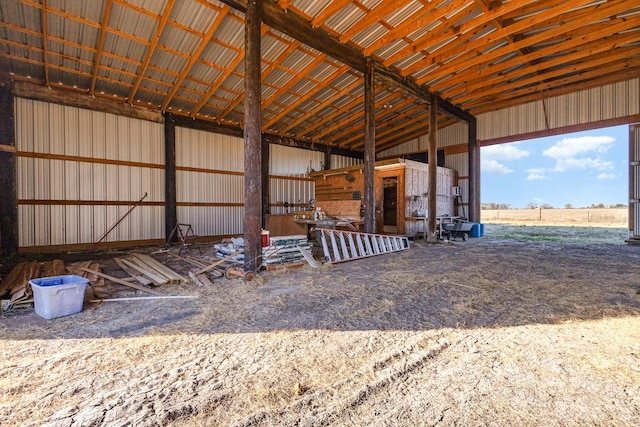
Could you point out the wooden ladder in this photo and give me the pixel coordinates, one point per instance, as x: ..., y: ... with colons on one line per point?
x: 341, y: 246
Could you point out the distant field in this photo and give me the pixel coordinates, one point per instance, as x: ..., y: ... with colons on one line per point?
x: 570, y: 217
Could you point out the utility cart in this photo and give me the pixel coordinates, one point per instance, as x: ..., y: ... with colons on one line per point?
x: 453, y: 230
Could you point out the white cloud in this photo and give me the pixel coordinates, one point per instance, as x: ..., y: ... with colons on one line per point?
x: 536, y: 174
x: 571, y: 153
x: 606, y: 176
x: 504, y: 152
x: 494, y: 167
x: 493, y: 156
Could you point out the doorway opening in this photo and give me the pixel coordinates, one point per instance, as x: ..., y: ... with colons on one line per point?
x: 390, y: 205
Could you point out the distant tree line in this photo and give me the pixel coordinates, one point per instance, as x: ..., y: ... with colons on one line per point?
x: 534, y: 205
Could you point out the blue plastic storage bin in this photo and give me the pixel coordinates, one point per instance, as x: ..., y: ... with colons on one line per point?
x: 58, y: 296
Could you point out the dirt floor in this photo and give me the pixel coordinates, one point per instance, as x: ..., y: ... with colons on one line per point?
x: 500, y: 330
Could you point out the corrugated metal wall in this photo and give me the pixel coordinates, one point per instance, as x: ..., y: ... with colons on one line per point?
x: 590, y: 105
x: 294, y: 163
x: 76, y: 168
x: 209, y: 182
x: 338, y: 162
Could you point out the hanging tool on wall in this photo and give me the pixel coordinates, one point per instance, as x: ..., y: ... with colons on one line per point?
x: 119, y: 220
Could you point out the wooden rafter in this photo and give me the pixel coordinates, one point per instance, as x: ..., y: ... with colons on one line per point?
x: 342, y: 110
x: 405, y: 117
x: 377, y: 14
x: 344, y: 128
x: 625, y: 64
x: 196, y: 54
x: 98, y: 56
x: 596, y: 33
x: 332, y: 8
x: 152, y: 47
x: 424, y: 16
x: 329, y: 101
x: 618, y: 57
x: 457, y: 36
x: 571, y: 86
x: 604, y: 51
x: 302, y: 98
x: 271, y: 68
x: 601, y: 11
x: 302, y: 74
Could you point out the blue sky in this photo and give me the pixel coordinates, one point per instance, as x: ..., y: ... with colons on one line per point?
x: 581, y: 169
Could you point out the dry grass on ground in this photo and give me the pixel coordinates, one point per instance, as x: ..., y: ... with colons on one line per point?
x: 494, y: 331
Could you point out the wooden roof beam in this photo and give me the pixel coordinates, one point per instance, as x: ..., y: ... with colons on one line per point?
x: 339, y: 94
x: 377, y: 14
x: 355, y: 102
x: 593, y: 58
x: 356, y: 120
x: 152, y: 47
x: 464, y: 32
x: 601, y: 11
x: 196, y: 54
x: 589, y: 41
x: 332, y: 8
x: 98, y: 56
x: 331, y: 117
x: 273, y: 66
x: 298, y: 28
x: 424, y: 16
x: 598, y: 77
x: 600, y: 63
x: 216, y: 85
x: 394, y: 140
x: 339, y: 71
x: 237, y: 131
x: 293, y: 81
x: 400, y: 120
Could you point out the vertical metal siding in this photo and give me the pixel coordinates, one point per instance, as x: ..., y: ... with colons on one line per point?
x: 460, y: 163
x: 293, y: 162
x: 590, y: 105
x: 55, y: 129
x: 213, y: 152
x: 456, y: 134
x: 338, y: 162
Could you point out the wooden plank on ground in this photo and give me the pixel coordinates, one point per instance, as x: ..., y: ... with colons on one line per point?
x: 217, y: 263
x: 125, y: 283
x: 134, y: 273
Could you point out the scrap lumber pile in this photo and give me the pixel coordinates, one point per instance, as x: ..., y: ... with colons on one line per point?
x: 90, y: 270
x: 149, y: 272
x: 16, y: 285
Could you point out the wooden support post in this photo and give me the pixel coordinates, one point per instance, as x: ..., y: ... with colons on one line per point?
x: 432, y: 184
x: 170, y: 209
x: 369, y: 151
x: 8, y: 173
x: 252, y: 137
x: 266, y: 183
x: 474, y: 173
